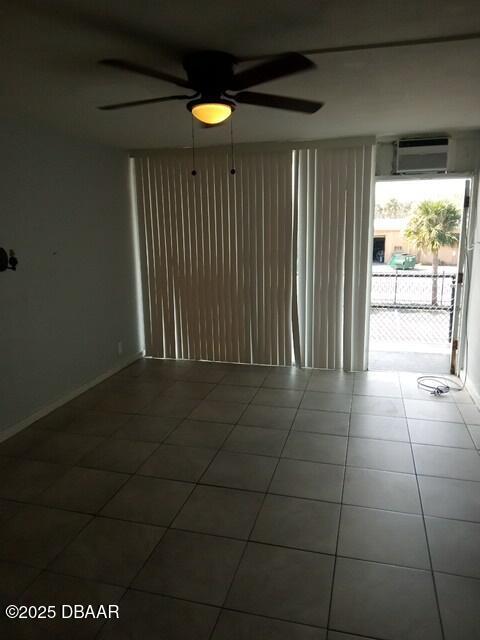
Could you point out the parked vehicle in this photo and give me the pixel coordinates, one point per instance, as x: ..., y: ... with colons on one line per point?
x: 403, y: 261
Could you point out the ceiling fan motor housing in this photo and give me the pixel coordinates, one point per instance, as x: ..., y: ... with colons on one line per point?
x: 210, y: 73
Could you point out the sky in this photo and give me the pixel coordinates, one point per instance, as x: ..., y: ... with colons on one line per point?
x: 417, y: 190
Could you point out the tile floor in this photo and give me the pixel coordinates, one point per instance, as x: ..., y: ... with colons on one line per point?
x: 231, y: 502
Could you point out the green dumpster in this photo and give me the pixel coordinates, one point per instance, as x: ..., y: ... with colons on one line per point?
x: 403, y: 261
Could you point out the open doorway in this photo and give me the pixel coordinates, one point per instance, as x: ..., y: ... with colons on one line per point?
x: 417, y: 246
x: 378, y: 249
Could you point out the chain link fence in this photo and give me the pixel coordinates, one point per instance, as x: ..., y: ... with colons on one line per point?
x: 405, y: 309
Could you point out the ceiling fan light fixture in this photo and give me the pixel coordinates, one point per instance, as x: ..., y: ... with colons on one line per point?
x: 211, y: 112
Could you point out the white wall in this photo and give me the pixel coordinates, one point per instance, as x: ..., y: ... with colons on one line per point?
x: 65, y: 210
x: 473, y: 318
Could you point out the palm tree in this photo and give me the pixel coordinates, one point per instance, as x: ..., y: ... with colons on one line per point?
x: 433, y: 225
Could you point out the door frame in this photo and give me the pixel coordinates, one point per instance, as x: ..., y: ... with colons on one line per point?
x: 461, y: 293
x: 469, y: 239
x: 460, y: 309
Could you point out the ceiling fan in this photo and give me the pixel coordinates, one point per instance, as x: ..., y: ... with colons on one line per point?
x: 211, y: 77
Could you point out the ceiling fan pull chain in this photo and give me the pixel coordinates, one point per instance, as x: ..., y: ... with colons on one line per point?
x: 194, y: 171
x: 232, y: 170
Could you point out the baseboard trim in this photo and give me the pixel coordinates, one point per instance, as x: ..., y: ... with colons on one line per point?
x: 473, y: 392
x: 26, y: 422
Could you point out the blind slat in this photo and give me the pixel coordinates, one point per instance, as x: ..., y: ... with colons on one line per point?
x: 334, y: 218
x: 217, y: 256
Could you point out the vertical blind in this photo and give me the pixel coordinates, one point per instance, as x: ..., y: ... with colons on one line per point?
x: 217, y: 256
x: 333, y: 203
x: 267, y: 266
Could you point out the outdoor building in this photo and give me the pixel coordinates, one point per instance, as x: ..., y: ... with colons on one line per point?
x: 389, y: 239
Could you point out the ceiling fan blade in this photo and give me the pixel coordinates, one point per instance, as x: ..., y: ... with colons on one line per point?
x: 278, y: 67
x: 395, y: 43
x: 124, y: 65
x: 278, y: 102
x: 459, y: 37
x: 138, y: 103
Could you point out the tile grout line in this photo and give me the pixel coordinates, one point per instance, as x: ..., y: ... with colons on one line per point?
x: 166, y: 595
x: 46, y: 567
x: 195, y: 484
x: 169, y: 527
x: 467, y: 427
x: 158, y: 443
x: 330, y: 604
x: 230, y: 537
x: 437, y: 601
x: 165, y: 393
x: 233, y: 425
x: 43, y: 569
x: 161, y: 442
x: 352, y: 466
x: 134, y: 577
x: 256, y: 517
x: 303, y: 430
x: 91, y: 519
x: 131, y: 475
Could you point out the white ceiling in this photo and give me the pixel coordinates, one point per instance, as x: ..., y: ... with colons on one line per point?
x: 49, y: 49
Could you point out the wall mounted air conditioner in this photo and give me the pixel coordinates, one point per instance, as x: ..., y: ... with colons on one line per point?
x: 421, y: 155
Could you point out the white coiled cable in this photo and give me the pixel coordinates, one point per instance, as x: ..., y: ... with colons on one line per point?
x: 437, y: 385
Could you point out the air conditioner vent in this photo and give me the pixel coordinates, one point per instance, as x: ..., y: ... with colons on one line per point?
x: 421, y: 155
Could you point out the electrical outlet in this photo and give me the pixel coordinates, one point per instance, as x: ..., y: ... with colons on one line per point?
x: 120, y: 347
